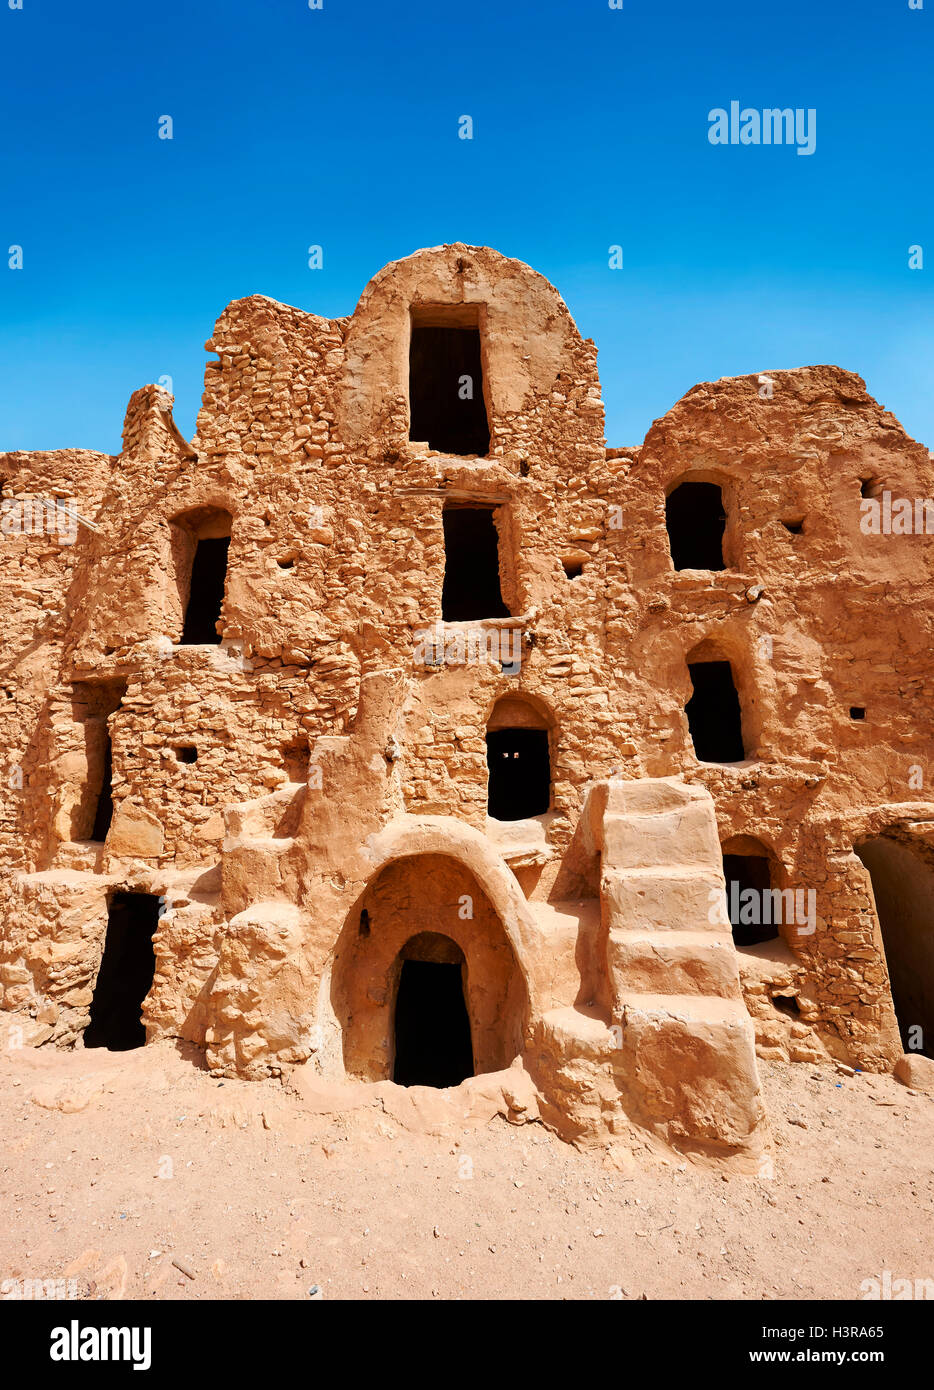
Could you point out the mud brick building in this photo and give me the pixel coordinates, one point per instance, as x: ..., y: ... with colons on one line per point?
x: 397, y: 728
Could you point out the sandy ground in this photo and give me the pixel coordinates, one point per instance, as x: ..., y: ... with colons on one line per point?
x: 114, y: 1165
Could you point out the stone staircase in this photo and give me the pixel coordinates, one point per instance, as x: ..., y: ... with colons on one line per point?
x: 685, y: 1061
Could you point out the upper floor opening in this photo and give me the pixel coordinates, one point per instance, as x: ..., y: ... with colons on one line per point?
x: 518, y: 749
x: 447, y: 392
x: 472, y: 586
x: 200, y: 542
x: 696, y: 519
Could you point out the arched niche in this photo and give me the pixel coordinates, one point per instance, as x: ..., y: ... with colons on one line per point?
x: 427, y: 899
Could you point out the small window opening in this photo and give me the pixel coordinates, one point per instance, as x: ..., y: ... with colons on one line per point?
x: 187, y: 754
x: 432, y: 1026
x: 523, y: 468
x: 696, y: 521
x: 520, y: 773
x: 446, y: 403
x: 713, y: 712
x: 749, y: 901
x: 364, y: 928
x: 126, y: 973
x: 787, y: 1004
x: 795, y: 527
x: 870, y: 487
x: 857, y: 712
x: 573, y: 568
x: 471, y: 565
x: 286, y: 563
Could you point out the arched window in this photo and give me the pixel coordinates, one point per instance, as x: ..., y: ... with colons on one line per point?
x: 713, y: 711
x: 695, y: 519
x: 519, y: 761
x: 201, y: 541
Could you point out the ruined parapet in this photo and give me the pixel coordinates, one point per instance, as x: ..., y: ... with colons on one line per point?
x: 150, y: 433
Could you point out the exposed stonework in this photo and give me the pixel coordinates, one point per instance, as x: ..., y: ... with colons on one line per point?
x: 309, y: 794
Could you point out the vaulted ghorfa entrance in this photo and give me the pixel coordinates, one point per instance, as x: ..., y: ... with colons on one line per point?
x: 433, y: 1045
x: 425, y: 985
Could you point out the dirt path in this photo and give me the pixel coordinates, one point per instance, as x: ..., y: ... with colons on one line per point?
x: 113, y: 1165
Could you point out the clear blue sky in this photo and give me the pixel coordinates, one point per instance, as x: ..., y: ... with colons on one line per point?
x: 339, y: 127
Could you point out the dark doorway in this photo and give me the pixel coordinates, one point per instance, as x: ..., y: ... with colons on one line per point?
x: 749, y: 875
x: 206, y: 595
x: 432, y: 1027
x: 104, y: 810
x: 520, y: 773
x: 471, y: 566
x: 903, y: 889
x: 695, y: 519
x: 446, y: 390
x: 713, y: 713
x: 125, y: 975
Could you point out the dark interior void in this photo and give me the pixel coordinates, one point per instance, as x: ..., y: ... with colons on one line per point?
x: 695, y: 519
x: 744, y: 872
x: 520, y: 773
x: 446, y: 390
x: 903, y: 888
x: 433, y: 1045
x: 125, y: 975
x: 471, y: 566
x: 208, y: 576
x: 103, y: 813
x: 713, y: 713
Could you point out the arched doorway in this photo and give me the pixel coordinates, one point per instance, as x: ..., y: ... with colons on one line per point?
x: 903, y: 889
x: 518, y: 752
x: 431, y: 1027
x: 425, y: 983
x: 750, y: 876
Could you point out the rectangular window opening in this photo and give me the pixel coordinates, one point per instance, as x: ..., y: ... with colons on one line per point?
x: 446, y: 398
x: 471, y: 565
